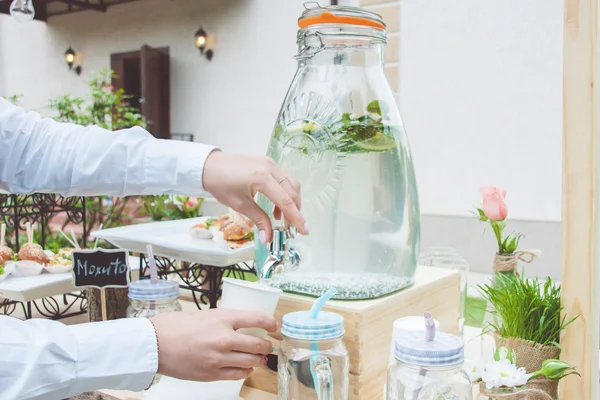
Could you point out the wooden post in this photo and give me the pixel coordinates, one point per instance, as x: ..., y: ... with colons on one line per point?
x: 581, y: 198
x: 116, y: 303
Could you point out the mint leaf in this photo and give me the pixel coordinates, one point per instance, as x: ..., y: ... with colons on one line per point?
x: 378, y: 107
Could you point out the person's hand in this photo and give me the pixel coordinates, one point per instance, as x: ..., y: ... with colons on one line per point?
x: 204, y: 345
x: 234, y: 180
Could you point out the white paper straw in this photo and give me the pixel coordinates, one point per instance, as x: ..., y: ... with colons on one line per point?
x: 2, y: 233
x: 96, y: 242
x: 152, y: 263
x: 75, y: 239
x: 67, y: 238
x: 28, y: 229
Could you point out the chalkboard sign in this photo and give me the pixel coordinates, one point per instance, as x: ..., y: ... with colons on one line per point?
x: 100, y: 268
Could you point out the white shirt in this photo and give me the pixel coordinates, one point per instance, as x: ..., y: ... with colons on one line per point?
x: 42, y: 359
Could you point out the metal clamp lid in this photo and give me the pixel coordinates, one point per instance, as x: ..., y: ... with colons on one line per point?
x: 443, y: 351
x: 146, y: 290
x: 301, y: 325
x: 331, y: 16
x: 341, y: 12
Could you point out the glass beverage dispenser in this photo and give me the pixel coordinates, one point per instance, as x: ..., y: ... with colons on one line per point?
x: 339, y: 133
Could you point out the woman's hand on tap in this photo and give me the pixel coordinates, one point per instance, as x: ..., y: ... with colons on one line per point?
x: 234, y: 180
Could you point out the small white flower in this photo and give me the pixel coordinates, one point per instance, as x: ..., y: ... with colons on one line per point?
x: 475, y: 370
x: 505, y: 353
x: 504, y: 373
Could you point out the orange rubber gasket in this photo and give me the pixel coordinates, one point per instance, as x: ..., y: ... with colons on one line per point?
x: 328, y: 18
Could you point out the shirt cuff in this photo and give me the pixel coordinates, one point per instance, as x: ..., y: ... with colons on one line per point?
x: 175, y: 167
x: 118, y: 354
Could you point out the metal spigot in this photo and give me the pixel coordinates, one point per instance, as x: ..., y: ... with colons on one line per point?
x: 280, y: 255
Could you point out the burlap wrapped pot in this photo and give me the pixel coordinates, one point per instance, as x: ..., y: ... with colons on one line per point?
x: 509, y: 263
x: 531, y: 355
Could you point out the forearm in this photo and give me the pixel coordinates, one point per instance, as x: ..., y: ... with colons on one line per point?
x: 41, y: 155
x: 42, y: 359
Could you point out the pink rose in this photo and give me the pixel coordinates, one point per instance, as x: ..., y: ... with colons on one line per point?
x: 494, y: 205
x: 192, y: 202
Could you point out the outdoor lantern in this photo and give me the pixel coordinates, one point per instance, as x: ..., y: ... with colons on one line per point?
x: 70, y: 59
x: 201, y: 39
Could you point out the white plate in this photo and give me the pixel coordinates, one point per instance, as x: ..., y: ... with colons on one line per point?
x: 8, y: 270
x: 172, y: 239
x: 27, y: 268
x: 58, y: 269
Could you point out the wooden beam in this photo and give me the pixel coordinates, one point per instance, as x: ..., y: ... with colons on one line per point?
x: 74, y: 10
x: 581, y: 198
x: 84, y: 5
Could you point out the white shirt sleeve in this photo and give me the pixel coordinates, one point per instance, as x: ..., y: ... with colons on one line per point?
x: 43, y: 359
x: 44, y: 156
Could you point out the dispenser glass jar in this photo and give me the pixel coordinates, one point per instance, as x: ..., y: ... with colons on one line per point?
x: 340, y: 134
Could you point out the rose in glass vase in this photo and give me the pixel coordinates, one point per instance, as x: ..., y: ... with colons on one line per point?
x: 494, y: 211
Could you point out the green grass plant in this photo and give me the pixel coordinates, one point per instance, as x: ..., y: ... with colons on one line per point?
x: 527, y: 309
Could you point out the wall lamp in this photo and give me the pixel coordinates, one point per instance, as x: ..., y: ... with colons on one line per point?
x: 70, y: 59
x: 201, y: 41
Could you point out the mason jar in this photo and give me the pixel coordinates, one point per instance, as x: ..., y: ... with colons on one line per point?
x: 147, y: 299
x: 313, y: 361
x: 428, y: 369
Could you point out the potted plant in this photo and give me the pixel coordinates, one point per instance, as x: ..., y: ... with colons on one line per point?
x: 527, y: 317
x: 494, y: 211
x: 165, y: 207
x: 186, y: 206
x: 155, y: 208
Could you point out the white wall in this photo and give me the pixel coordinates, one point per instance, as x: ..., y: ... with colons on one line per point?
x: 481, y: 97
x: 231, y: 101
x: 480, y: 86
x: 480, y: 93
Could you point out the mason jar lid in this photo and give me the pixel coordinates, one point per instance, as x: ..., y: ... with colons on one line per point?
x: 443, y: 351
x: 318, y: 15
x: 300, y: 325
x: 160, y: 290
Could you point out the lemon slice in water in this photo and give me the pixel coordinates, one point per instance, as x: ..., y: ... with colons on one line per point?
x: 379, y: 142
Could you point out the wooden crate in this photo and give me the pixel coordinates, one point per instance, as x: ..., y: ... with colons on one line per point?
x: 369, y: 324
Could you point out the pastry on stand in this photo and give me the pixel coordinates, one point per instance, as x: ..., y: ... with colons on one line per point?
x: 31, y: 251
x: 6, y: 253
